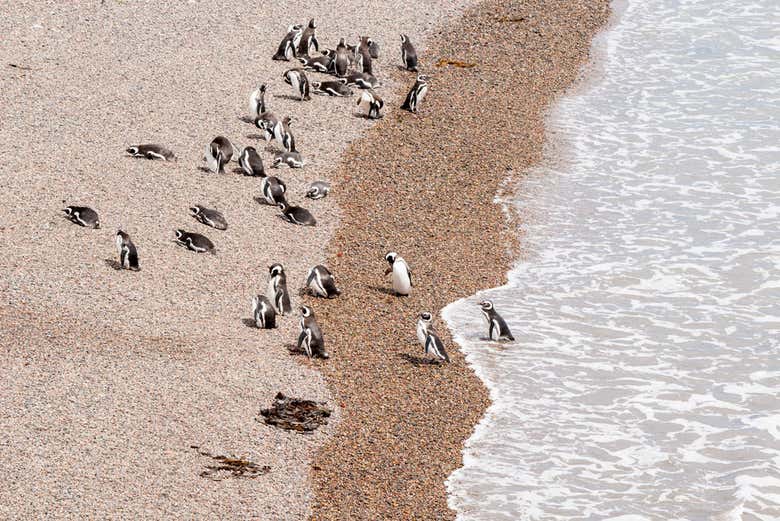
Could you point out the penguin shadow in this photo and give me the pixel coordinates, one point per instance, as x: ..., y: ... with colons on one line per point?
x: 261, y: 200
x: 246, y: 119
x: 287, y: 96
x: 382, y: 289
x: 113, y: 264
x: 249, y: 322
x: 418, y: 361
x: 255, y: 136
x: 362, y: 115
x: 294, y: 350
x: 205, y: 169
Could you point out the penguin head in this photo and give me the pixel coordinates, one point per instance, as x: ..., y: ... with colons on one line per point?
x: 179, y: 234
x: 390, y: 257
x: 312, y: 24
x: 283, y: 206
x: 422, y: 78
x: 275, y: 269
x: 287, y: 120
x: 195, y: 210
x: 404, y: 38
x: 132, y: 151
x: 306, y: 311
x: 316, y: 85
x: 486, y: 305
x: 263, y: 87
x: 68, y: 210
x: 248, y: 150
x: 426, y: 317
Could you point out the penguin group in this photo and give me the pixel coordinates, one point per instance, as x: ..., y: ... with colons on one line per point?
x: 350, y: 66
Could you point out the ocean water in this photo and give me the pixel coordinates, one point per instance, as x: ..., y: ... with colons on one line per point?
x: 645, y: 380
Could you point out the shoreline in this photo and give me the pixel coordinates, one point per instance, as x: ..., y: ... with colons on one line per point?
x: 403, y: 424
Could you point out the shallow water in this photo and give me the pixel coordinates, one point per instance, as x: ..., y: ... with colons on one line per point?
x: 644, y: 382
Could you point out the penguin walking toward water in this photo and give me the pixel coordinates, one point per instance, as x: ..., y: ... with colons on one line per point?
x: 371, y: 103
x: 408, y: 54
x: 263, y: 312
x: 429, y: 338
x: 322, y: 63
x: 151, y: 151
x: 195, y: 242
x: 128, y: 254
x: 296, y: 214
x: 309, y: 39
x: 332, y: 88
x: 310, y: 338
x: 83, y: 216
x: 209, y: 217
x: 286, y: 50
x: 341, y: 59
x: 277, y: 289
x: 251, y: 162
x: 416, y: 95
x: 497, y: 328
x: 318, y: 190
x: 219, y: 153
x: 257, y: 102
x: 424, y: 325
x: 273, y: 190
x: 322, y: 283
x: 402, y: 275
x: 299, y: 82
x: 291, y: 159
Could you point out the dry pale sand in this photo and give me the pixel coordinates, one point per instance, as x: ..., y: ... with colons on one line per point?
x: 109, y: 377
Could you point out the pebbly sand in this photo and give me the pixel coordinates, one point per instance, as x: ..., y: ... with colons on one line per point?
x: 109, y: 377
x: 427, y: 192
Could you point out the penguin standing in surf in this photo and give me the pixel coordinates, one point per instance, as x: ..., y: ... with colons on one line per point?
x: 497, y: 328
x: 286, y: 50
x: 408, y: 54
x: 402, y: 275
x: 299, y: 82
x: 322, y: 283
x: 83, y: 216
x: 128, y: 254
x: 416, y: 95
x: 311, y: 339
x: 309, y: 39
x: 277, y: 289
x: 263, y: 312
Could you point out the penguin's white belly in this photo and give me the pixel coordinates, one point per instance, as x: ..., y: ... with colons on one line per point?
x: 421, y: 334
x: 271, y: 291
x: 401, y: 282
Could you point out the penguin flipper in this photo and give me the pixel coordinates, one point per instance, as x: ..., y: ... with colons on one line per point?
x: 313, y: 42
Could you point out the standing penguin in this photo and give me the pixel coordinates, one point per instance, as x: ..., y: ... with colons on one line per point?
x: 363, y: 59
x: 128, y: 254
x: 286, y: 50
x: 341, y: 60
x: 416, y: 95
x: 402, y: 275
x: 408, y: 54
x: 311, y: 339
x: 257, y: 102
x: 195, y: 242
x: 424, y: 325
x: 277, y: 289
x: 296, y: 214
x: 497, y: 328
x: 283, y: 134
x: 267, y: 122
x: 263, y: 312
x: 322, y: 283
x: 299, y: 82
x: 251, y: 162
x: 209, y: 217
x: 309, y: 39
x: 273, y: 190
x: 219, y: 153
x: 371, y: 103
x: 435, y: 347
x: 83, y: 216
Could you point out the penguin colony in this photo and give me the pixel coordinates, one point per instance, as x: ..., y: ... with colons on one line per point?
x: 352, y: 66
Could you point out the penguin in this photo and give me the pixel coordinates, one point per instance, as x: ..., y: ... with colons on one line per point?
x: 318, y: 190
x: 332, y: 88
x: 83, y: 216
x: 273, y: 190
x: 408, y: 54
x: 402, y: 275
x: 257, y: 101
x: 267, y: 122
x: 424, y: 326
x: 309, y: 39
x: 321, y: 282
x: 195, y: 242
x: 251, y: 163
x: 372, y: 103
x: 317, y: 63
x: 277, y: 289
x: 291, y: 159
x: 218, y: 154
x: 311, y: 339
x: 299, y: 82
x: 373, y: 49
x: 363, y: 55
x: 128, y: 254
x: 341, y: 59
x: 497, y: 328
x: 283, y: 135
x: 263, y: 312
x: 209, y: 217
x: 286, y: 49
x: 435, y: 347
x: 416, y: 95
x: 362, y: 80
x: 151, y: 151
x: 296, y: 214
